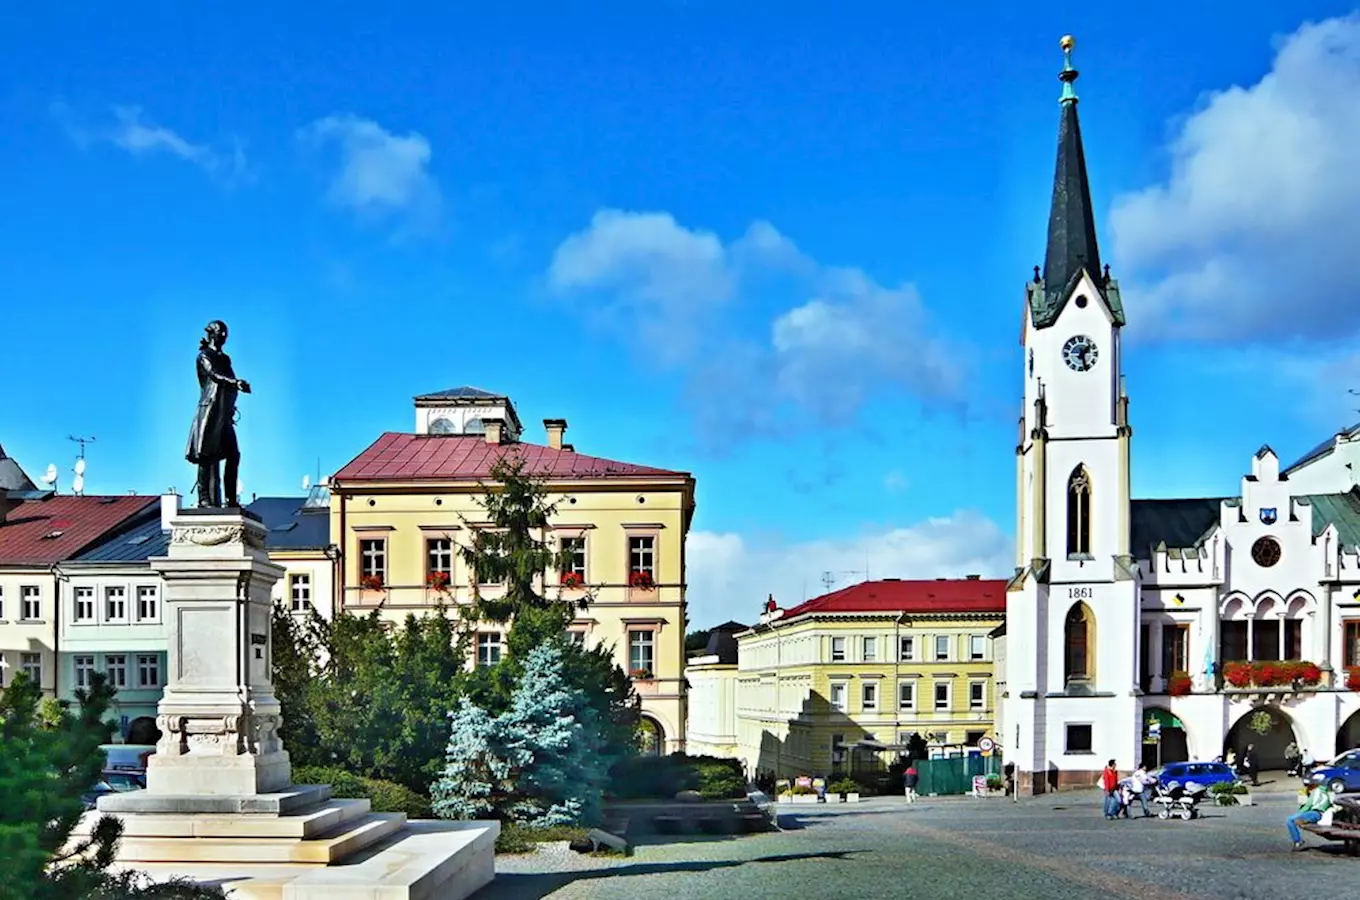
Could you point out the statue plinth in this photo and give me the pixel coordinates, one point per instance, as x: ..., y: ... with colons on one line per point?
x: 219, y: 718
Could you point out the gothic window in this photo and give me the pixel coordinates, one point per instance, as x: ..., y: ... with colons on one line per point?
x: 1078, y: 640
x: 1079, y: 513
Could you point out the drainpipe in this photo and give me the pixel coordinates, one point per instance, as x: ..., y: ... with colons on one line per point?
x: 340, y: 562
x: 57, y: 577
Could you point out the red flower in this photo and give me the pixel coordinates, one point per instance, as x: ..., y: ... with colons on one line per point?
x: 1353, y: 679
x: 1238, y: 674
x: 371, y: 582
x: 641, y: 579
x: 572, y: 579
x: 1178, y: 685
x: 642, y: 674
x: 437, y: 581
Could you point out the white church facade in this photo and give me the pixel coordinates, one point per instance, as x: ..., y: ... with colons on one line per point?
x: 1153, y: 630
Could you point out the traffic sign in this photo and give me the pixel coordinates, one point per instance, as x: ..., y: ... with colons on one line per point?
x: 986, y: 745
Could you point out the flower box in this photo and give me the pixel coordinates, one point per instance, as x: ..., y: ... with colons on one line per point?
x: 1353, y: 679
x: 438, y: 581
x: 372, y: 583
x: 1178, y: 685
x: 641, y: 579
x: 798, y: 798
x: 852, y: 797
x: 572, y: 580
x: 642, y: 674
x: 1268, y: 673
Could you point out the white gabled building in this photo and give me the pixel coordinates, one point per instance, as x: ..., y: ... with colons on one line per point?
x: 1127, y: 612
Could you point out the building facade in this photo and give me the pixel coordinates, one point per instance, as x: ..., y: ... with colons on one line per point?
x: 849, y: 680
x: 1199, y: 615
x: 711, y: 729
x: 402, y: 509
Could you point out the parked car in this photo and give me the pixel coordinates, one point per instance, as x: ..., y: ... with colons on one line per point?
x: 1340, y: 775
x: 1203, y: 773
x: 114, y: 781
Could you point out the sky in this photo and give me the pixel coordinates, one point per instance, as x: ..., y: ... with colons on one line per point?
x: 779, y: 245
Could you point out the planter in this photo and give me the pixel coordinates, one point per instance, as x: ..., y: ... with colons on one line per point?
x: 852, y: 798
x: 798, y: 798
x: 1244, y: 800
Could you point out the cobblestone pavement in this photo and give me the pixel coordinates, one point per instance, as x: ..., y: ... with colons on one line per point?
x: 1054, y: 848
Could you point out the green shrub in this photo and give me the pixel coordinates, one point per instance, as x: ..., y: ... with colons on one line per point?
x: 995, y: 782
x: 386, y: 796
x: 662, y: 777
x: 801, y: 790
x: 843, y: 786
x: 516, y: 838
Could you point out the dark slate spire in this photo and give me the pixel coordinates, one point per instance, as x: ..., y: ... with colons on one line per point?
x: 1072, y: 245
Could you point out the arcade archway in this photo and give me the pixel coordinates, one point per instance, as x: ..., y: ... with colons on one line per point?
x: 1164, y: 738
x: 651, y: 736
x: 1267, y: 728
x: 1348, y: 735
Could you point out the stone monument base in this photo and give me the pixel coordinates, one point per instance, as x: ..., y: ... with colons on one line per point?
x: 298, y: 844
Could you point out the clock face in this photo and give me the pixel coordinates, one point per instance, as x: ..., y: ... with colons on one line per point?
x: 1079, y: 353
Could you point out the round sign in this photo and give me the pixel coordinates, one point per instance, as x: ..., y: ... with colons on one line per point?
x: 986, y: 745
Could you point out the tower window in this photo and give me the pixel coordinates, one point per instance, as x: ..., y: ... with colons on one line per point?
x: 1078, y: 633
x: 1079, y: 514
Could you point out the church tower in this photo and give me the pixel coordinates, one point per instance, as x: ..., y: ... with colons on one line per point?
x: 1072, y: 620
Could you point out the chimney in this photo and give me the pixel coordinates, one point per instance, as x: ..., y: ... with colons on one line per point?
x: 974, y: 577
x: 494, y: 429
x: 555, y: 428
x: 169, y: 509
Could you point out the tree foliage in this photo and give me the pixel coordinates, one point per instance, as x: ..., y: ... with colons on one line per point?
x: 49, y: 757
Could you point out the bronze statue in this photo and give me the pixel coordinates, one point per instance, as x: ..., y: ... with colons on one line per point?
x: 212, y: 438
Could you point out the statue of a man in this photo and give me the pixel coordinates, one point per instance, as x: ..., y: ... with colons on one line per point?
x: 212, y: 438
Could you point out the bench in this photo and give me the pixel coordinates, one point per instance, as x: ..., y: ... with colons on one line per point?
x: 1348, y: 836
x: 769, y: 810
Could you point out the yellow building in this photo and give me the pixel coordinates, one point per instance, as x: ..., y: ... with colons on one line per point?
x: 843, y: 681
x: 401, y: 509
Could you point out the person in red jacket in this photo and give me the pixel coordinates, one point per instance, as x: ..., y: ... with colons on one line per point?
x: 1109, y: 783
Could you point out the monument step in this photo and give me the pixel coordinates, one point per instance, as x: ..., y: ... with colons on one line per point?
x: 324, y: 850
x: 298, y: 826
x: 295, y: 799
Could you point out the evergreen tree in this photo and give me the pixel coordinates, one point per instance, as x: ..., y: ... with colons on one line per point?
x: 295, y: 654
x: 539, y: 763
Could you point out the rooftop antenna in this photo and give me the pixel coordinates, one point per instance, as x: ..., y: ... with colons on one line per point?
x: 49, y: 477
x: 306, y: 482
x: 828, y: 579
x: 78, y: 483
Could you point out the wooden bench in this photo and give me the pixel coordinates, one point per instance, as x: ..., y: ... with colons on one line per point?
x: 1349, y: 836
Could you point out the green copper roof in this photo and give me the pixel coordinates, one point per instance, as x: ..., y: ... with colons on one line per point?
x: 1179, y: 524
x: 1341, y: 510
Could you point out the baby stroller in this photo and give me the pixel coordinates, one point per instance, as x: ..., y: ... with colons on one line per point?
x: 1176, y: 799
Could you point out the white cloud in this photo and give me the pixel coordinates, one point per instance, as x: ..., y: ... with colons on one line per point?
x: 1252, y: 233
x: 378, y: 172
x: 139, y: 136
x: 844, y: 336
x: 729, y: 577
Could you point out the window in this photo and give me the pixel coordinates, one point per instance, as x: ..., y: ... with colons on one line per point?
x: 30, y: 602
x: 300, y: 592
x: 148, y: 596
x: 1079, y: 739
x: 641, y: 653
x: 489, y: 648
x: 871, y: 649
x: 906, y: 648
x: 373, y: 560
x: 438, y: 561
x: 977, y: 695
x: 971, y: 738
x: 84, y: 668
x: 1350, y: 643
x: 577, y: 636
x: 1077, y: 659
x: 574, y: 557
x: 906, y: 695
x: 838, y: 649
x: 941, y: 648
x: 1293, y: 638
x: 1079, y: 513
x: 642, y: 555
x: 837, y: 748
x: 868, y: 696
x: 148, y: 670
x: 115, y: 603
x: 115, y: 666
x: 84, y: 604
x: 31, y: 665
x: 941, y: 695
x: 977, y: 647
x: 1175, y: 650
x: 838, y: 696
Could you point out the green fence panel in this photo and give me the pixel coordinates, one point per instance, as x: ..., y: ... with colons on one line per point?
x: 954, y: 775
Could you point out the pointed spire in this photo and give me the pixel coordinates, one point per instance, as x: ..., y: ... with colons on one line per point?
x: 1072, y: 246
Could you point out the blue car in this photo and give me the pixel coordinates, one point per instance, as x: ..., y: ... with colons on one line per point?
x: 1188, y: 773
x: 1340, y: 775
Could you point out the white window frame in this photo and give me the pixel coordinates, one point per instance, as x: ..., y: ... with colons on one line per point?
x: 84, y: 669
x: 906, y: 642
x: 842, y: 689
x: 489, y: 648
x: 941, y: 640
x: 121, y: 682
x: 83, y: 601
x: 373, y: 558
x: 148, y: 662
x: 838, y: 649
x: 31, y: 665
x: 143, y: 592
x: 868, y: 696
x: 641, y: 650
x: 439, y: 556
x: 977, y: 647
x: 111, y: 591
x: 30, y: 603
x: 948, y: 697
x: 572, y: 564
x: 906, y: 691
x: 977, y: 695
x: 869, y: 649
x: 642, y: 557
x: 299, y: 591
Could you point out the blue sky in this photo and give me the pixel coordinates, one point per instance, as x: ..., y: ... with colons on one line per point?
x: 782, y: 246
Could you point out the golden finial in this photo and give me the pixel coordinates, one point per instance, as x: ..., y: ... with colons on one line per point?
x: 1067, y: 42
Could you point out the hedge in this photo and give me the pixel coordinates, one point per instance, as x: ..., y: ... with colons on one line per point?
x: 386, y: 796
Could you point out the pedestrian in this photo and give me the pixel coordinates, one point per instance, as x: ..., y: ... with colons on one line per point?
x: 1306, y: 763
x: 910, y: 779
x: 1141, y: 783
x: 1292, y: 758
x: 1109, y: 783
x: 1249, y: 765
x: 1316, y: 802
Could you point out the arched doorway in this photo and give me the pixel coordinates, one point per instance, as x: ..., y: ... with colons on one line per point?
x: 1348, y: 735
x: 651, y: 736
x: 1164, y: 738
x: 1079, y: 643
x: 143, y: 730
x: 1269, y: 730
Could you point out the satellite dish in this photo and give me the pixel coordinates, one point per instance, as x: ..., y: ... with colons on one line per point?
x: 306, y: 482
x: 78, y: 484
x: 80, y: 466
x: 50, y: 476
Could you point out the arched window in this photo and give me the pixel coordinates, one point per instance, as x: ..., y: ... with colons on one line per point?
x: 1078, y: 643
x: 1079, y: 513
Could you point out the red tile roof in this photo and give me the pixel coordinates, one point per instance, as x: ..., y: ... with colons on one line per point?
x: 47, y: 531
x: 427, y: 457
x: 944, y: 595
